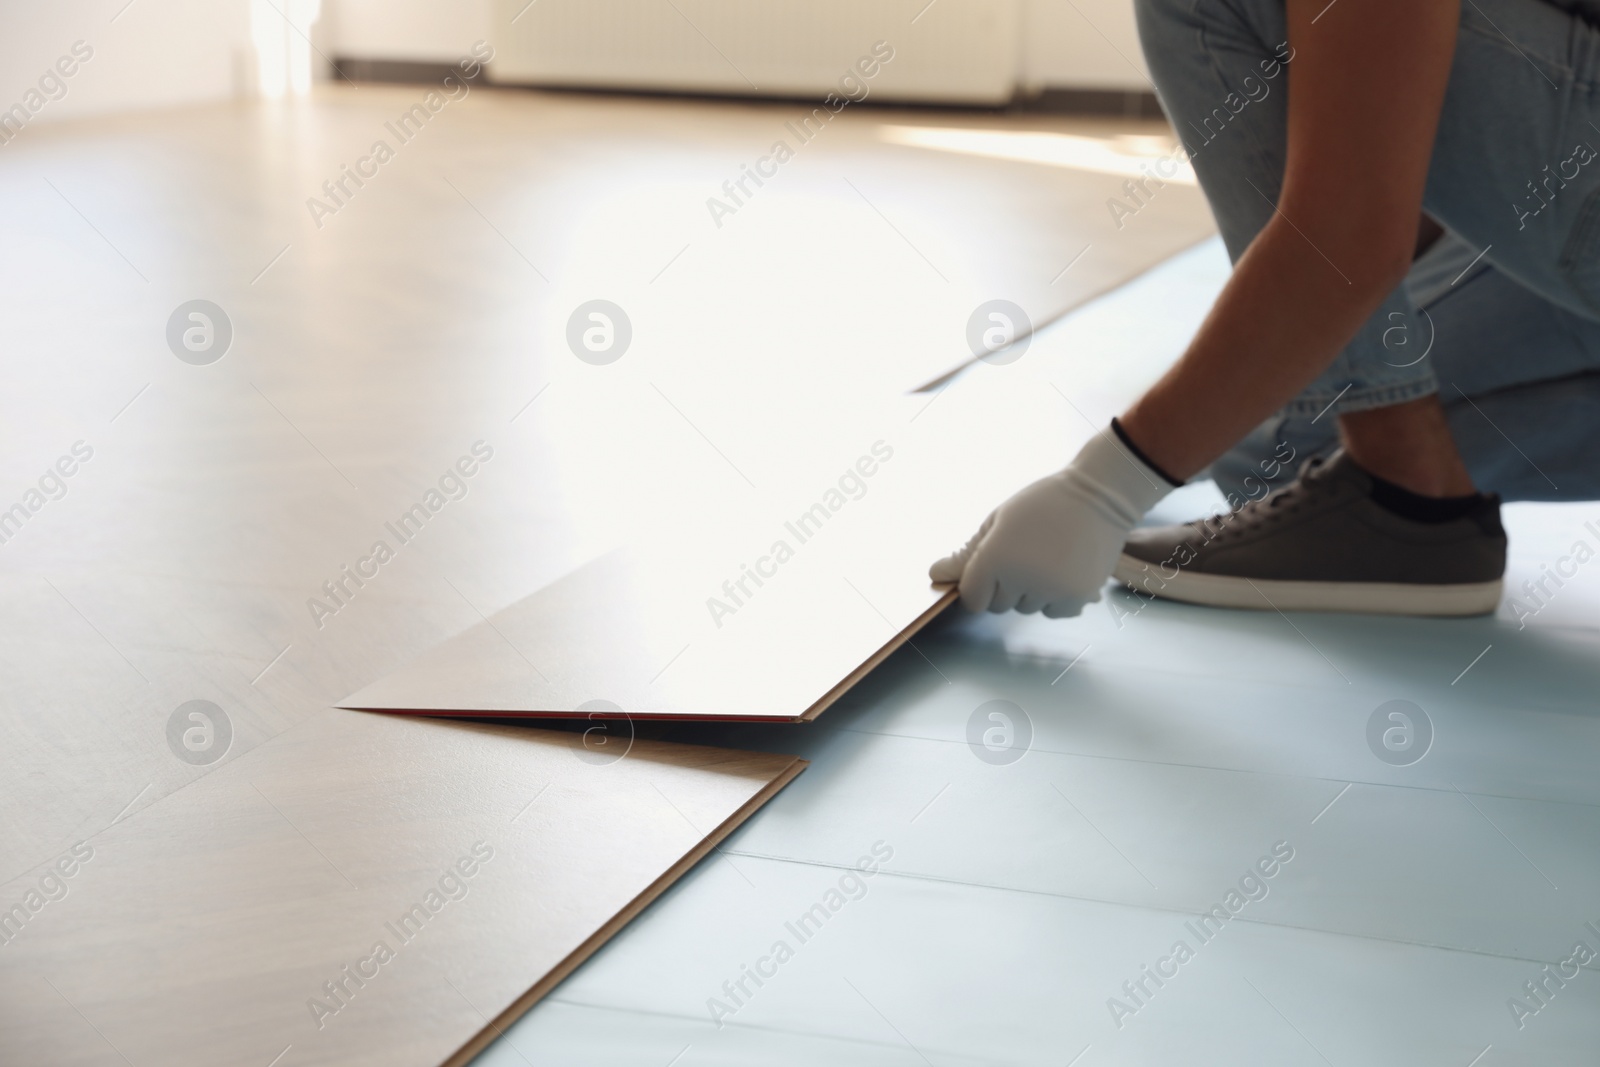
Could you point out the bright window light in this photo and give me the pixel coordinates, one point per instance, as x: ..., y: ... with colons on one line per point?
x: 1126, y: 155
x: 280, y: 30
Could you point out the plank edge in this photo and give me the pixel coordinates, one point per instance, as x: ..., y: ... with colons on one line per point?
x: 539, y: 990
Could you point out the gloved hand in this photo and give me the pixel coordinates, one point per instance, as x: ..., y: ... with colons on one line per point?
x: 1052, y: 546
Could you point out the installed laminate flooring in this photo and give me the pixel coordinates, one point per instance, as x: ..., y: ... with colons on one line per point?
x: 411, y: 337
x: 210, y: 504
x: 364, y: 889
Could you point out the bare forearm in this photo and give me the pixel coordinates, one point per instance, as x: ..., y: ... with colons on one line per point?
x: 1281, y: 320
x: 1364, y: 98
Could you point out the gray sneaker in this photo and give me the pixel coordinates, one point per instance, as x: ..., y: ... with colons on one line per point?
x: 1322, y: 543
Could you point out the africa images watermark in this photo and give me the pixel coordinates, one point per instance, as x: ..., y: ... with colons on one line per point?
x: 404, y: 128
x: 1139, y: 192
x: 51, y: 486
x: 1186, y: 553
x: 853, y: 89
x: 999, y: 732
x: 199, y: 332
x: 51, y: 86
x: 451, y: 886
x: 1252, y: 886
x: 48, y: 888
x: 802, y: 528
x: 1399, y: 732
x: 1552, y: 979
x: 1564, y: 569
x: 199, y: 733
x: 850, y: 886
x: 1552, y: 183
x: 340, y: 590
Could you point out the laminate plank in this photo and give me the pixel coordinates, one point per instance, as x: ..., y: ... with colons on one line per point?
x: 682, y: 625
x: 653, y: 630
x: 487, y: 862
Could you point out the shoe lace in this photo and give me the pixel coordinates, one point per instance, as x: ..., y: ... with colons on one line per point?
x: 1281, y: 502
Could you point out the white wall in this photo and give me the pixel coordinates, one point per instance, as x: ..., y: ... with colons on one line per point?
x: 964, y: 51
x: 1089, y: 44
x: 1085, y: 44
x: 424, y: 30
x: 156, y: 53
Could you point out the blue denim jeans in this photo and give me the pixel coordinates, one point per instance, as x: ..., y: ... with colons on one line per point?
x: 1502, y: 315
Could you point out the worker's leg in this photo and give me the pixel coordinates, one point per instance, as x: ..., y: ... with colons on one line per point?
x: 1519, y: 377
x: 1222, y: 67
x: 1396, y: 531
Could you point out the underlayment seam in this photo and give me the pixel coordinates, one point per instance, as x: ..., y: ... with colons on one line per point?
x: 1235, y: 770
x: 1375, y: 938
x: 756, y: 1028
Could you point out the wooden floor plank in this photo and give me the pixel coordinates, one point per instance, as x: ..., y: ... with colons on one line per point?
x: 457, y: 871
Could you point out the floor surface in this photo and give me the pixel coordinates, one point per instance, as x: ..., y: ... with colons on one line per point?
x: 362, y: 891
x: 223, y: 396
x: 415, y: 343
x: 1148, y: 758
x: 1166, y: 756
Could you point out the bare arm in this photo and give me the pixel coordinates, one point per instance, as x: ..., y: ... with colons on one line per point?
x: 1365, y: 90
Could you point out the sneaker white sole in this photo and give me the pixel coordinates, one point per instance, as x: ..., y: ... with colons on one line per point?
x: 1262, y: 594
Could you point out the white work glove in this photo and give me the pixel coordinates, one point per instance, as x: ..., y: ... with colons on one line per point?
x: 1052, y: 546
